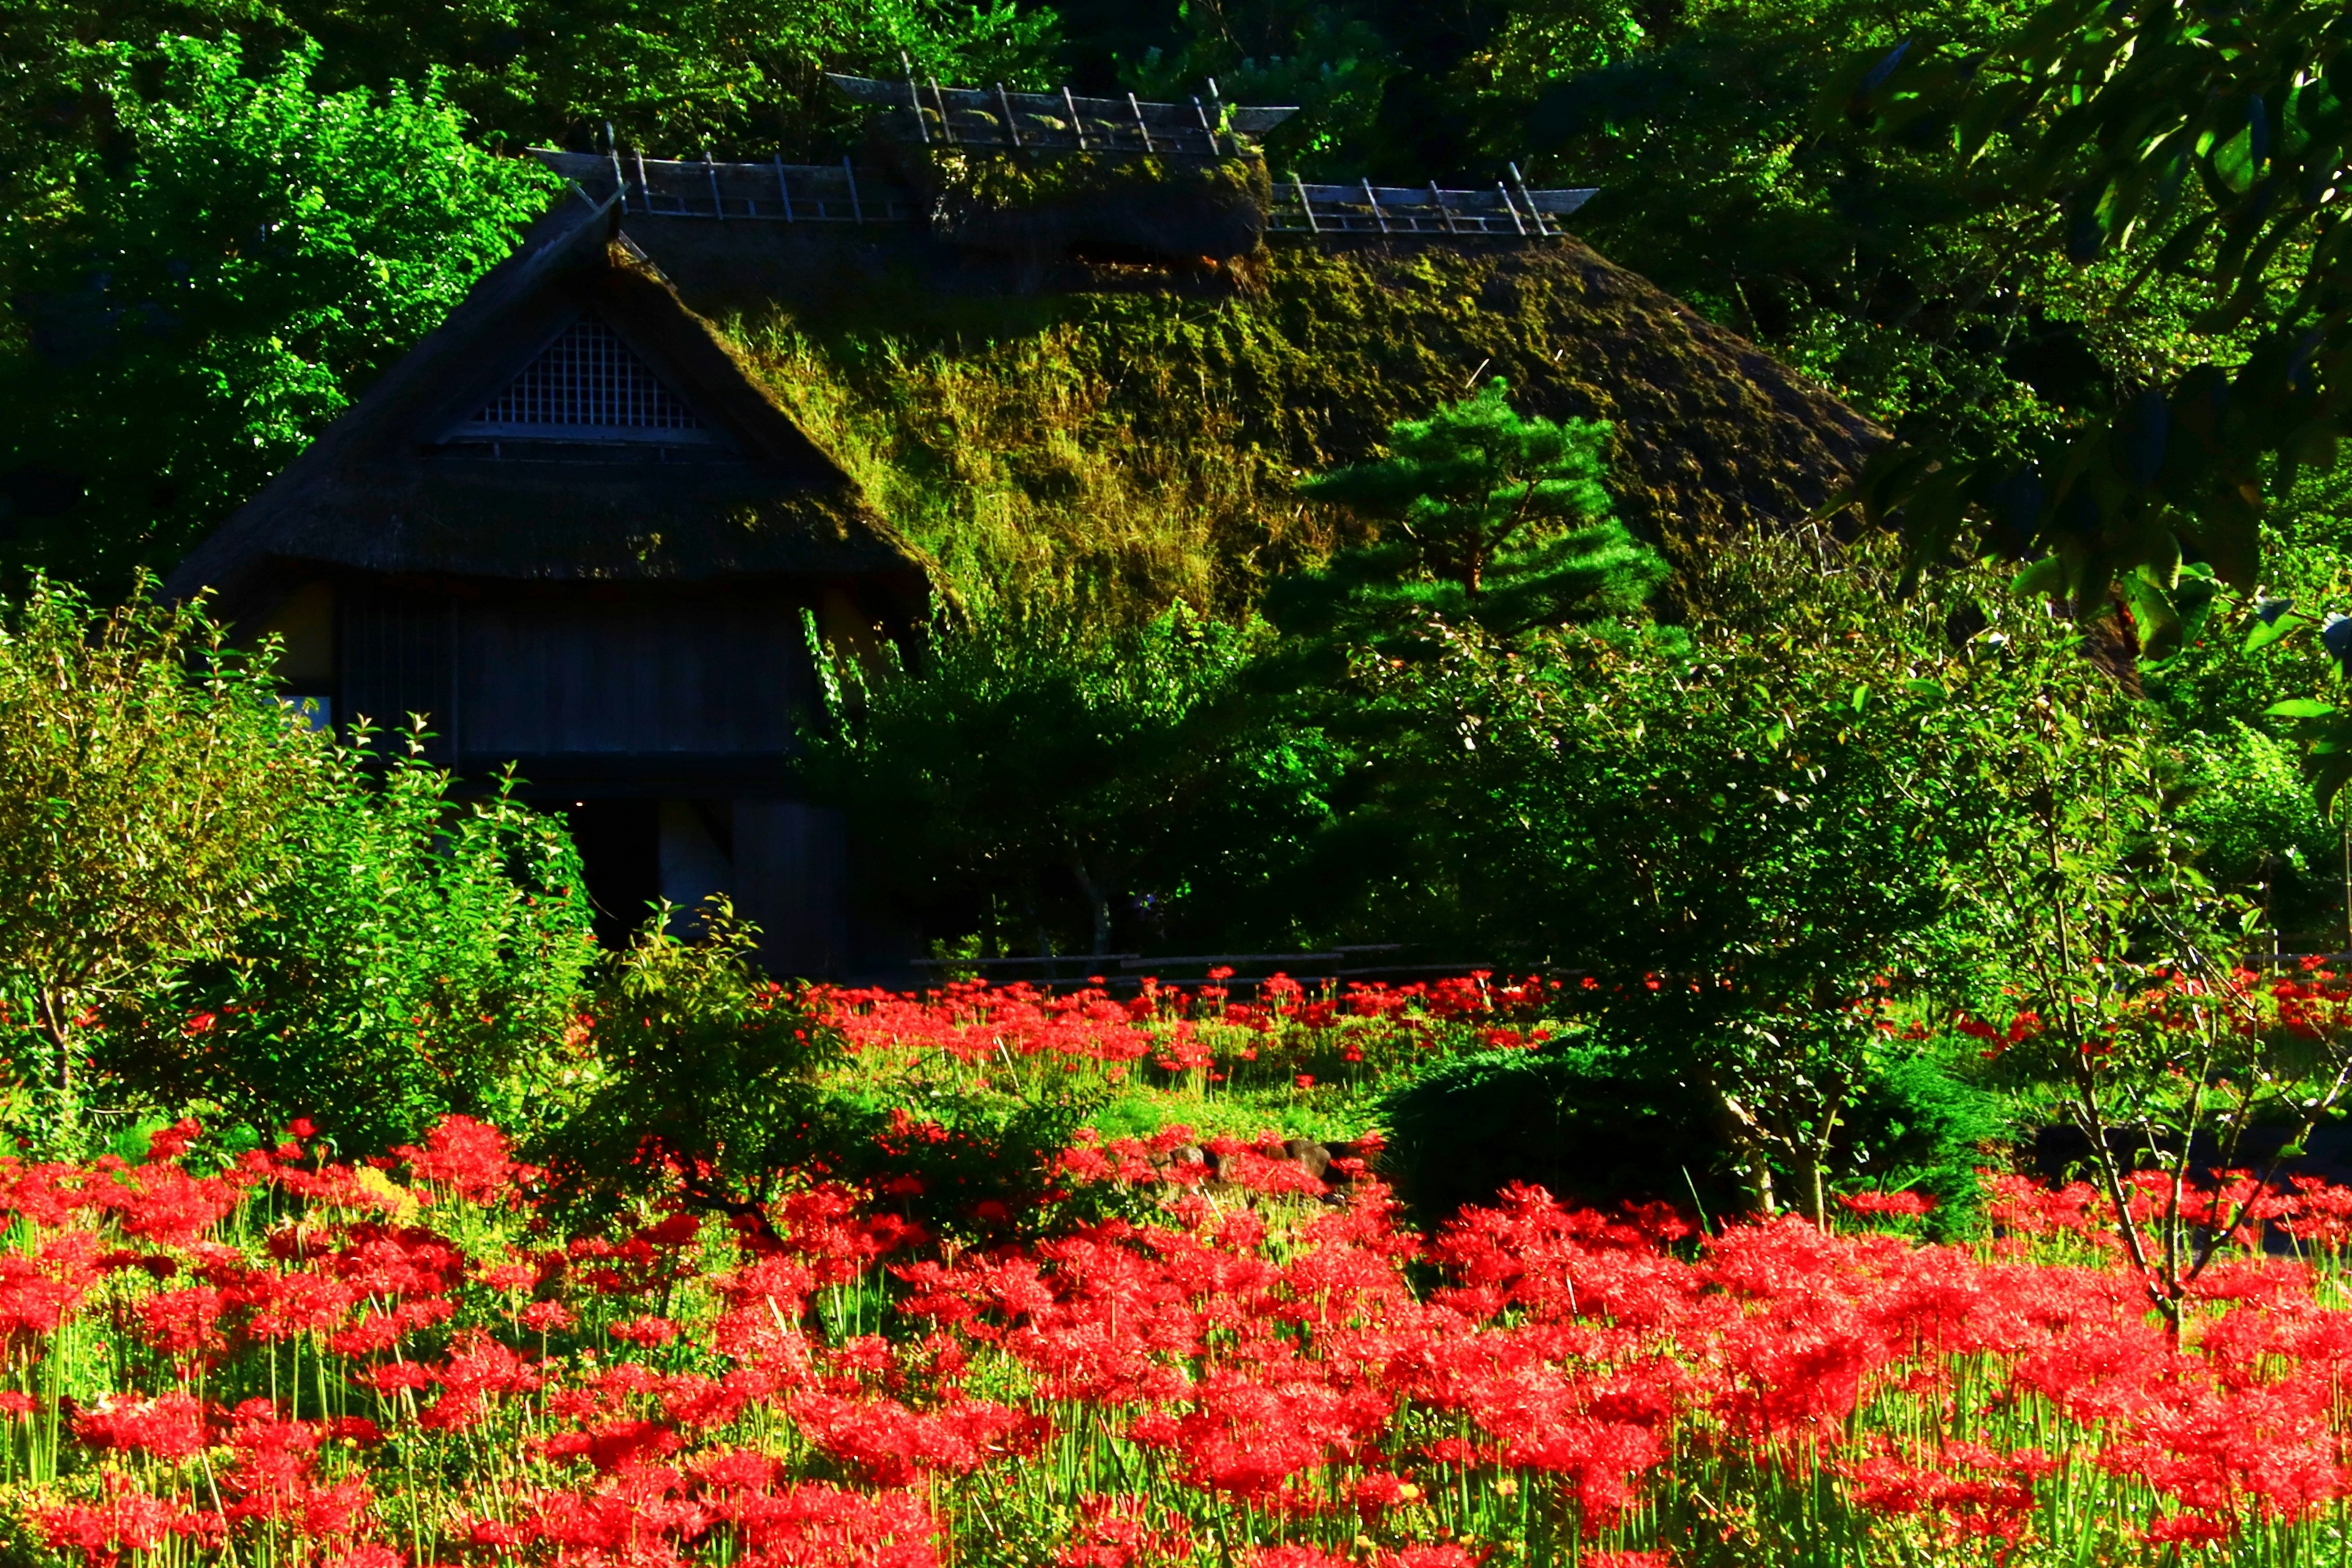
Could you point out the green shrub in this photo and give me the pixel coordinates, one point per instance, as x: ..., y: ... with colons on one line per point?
x: 706, y: 1072
x: 144, y: 777
x: 1056, y: 791
x: 206, y: 905
x: 414, y: 957
x: 1574, y: 1120
x: 1600, y: 1125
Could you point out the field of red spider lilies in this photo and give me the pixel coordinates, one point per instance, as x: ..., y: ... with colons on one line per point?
x: 290, y: 1361
x: 1008, y: 1036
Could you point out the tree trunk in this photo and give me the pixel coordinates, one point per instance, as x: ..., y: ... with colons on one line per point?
x: 1749, y: 1142
x: 1097, y: 900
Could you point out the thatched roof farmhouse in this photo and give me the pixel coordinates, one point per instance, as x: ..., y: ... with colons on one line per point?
x: 707, y: 414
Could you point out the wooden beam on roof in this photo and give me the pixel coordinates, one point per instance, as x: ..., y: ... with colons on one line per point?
x: 1061, y: 119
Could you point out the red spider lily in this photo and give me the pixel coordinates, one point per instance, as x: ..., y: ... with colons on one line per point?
x: 1244, y: 1347
x: 1899, y: 1206
x: 468, y: 1157
x: 126, y: 1521
x: 170, y: 1427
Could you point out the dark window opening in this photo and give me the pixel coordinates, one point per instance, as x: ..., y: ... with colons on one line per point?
x: 586, y: 385
x: 620, y: 849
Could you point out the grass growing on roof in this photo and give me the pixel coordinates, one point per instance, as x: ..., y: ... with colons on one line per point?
x: 1137, y: 447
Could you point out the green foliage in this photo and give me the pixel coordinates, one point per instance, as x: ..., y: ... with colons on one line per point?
x: 203, y: 902
x: 1604, y: 1124
x: 415, y: 956
x: 1748, y: 834
x: 1335, y: 67
x: 1493, y: 519
x: 144, y: 774
x: 1580, y: 1121
x: 2200, y: 144
x: 1022, y: 761
x: 706, y: 1072
x: 1718, y: 180
x: 741, y: 73
x: 2261, y: 835
x: 195, y: 305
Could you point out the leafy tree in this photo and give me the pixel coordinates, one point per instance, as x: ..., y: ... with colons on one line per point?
x: 413, y: 956
x: 204, y: 296
x: 2199, y: 143
x: 2126, y: 999
x: 1755, y: 837
x: 2261, y: 836
x: 1023, y: 758
x: 707, y: 1073
x: 143, y: 777
x: 1335, y: 67
x: 1602, y: 1120
x: 744, y: 74
x: 1492, y: 518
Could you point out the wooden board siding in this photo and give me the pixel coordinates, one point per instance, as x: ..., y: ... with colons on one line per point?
x: 587, y: 673
x: 575, y: 675
x: 791, y: 877
x: 396, y: 647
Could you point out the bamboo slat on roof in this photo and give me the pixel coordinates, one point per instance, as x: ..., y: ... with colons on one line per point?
x: 775, y: 191
x: 1365, y: 208
x: 1062, y: 121
x: 844, y: 193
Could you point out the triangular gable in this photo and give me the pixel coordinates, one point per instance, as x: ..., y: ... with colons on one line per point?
x: 588, y: 384
x: 407, y: 481
x: 602, y: 356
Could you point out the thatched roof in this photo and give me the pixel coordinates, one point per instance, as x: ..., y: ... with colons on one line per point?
x: 1144, y: 425
x: 387, y: 490
x: 1063, y: 417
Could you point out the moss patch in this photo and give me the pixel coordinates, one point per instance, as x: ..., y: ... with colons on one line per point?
x: 1137, y: 448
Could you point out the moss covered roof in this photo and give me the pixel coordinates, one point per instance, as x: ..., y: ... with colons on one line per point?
x: 1139, y: 429
x: 1036, y: 423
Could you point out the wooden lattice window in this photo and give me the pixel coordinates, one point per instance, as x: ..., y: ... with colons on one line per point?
x: 587, y: 386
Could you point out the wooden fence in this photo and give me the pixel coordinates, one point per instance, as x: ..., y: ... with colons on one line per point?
x: 775, y: 192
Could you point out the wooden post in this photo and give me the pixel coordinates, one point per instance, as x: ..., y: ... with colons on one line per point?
x: 718, y: 202
x: 1077, y: 122
x: 1217, y: 105
x: 947, y: 126
x: 612, y: 151
x: 1374, y: 203
x: 1304, y: 204
x: 783, y: 191
x: 645, y: 192
x: 1442, y: 210
x: 1203, y: 114
x: 914, y: 100
x: 1533, y: 211
x: 1511, y: 210
x: 1011, y: 131
x: 857, y: 207
x: 1141, y: 128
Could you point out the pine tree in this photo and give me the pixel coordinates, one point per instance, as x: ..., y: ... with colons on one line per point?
x: 1489, y: 516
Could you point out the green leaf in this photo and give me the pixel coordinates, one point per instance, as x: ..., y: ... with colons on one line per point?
x: 2300, y: 708
x: 2266, y: 632
x: 2047, y: 575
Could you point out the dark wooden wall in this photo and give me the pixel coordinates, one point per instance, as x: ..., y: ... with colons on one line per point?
x: 566, y: 675
x: 582, y: 671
